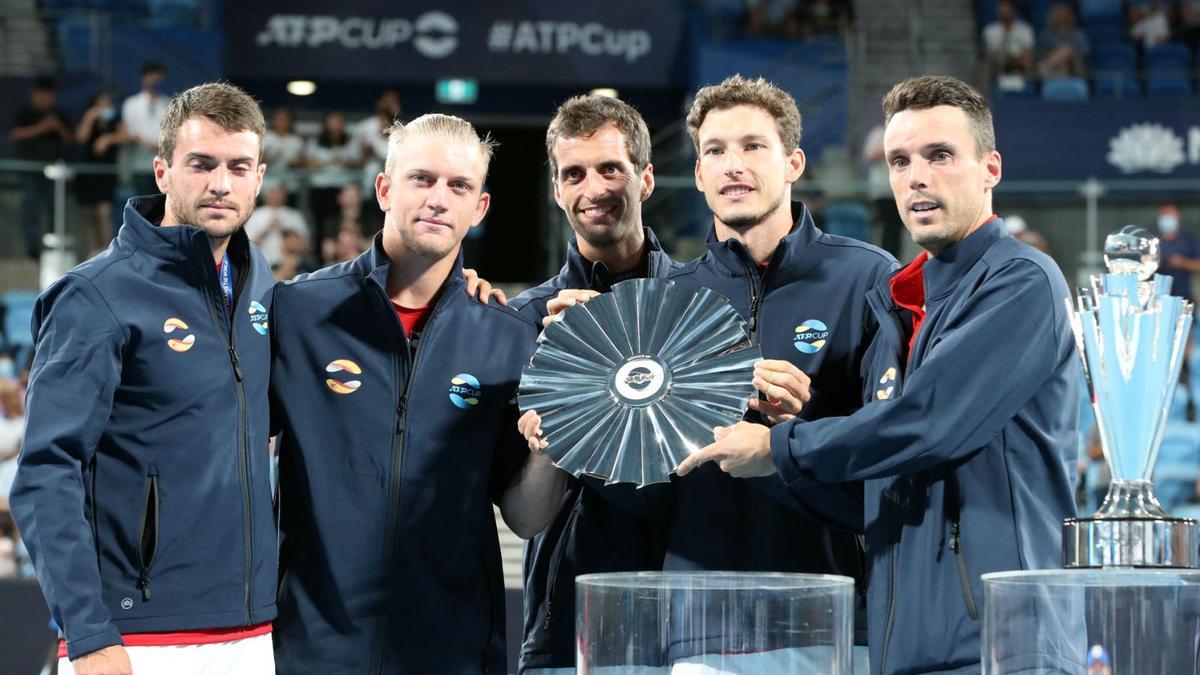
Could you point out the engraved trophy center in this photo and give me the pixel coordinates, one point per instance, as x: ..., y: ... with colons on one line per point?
x: 640, y: 380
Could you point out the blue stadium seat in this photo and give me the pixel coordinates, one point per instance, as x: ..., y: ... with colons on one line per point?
x: 1065, y: 89
x: 1090, y: 10
x: 1168, y: 70
x: 847, y: 219
x: 1168, y: 55
x: 1114, y: 70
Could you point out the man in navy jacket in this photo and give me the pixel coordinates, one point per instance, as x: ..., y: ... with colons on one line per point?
x: 802, y: 293
x: 143, y: 491
x: 599, y: 154
x: 395, y: 392
x: 968, y: 446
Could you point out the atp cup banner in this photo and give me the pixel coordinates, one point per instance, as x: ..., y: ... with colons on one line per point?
x: 618, y: 42
x: 1125, y: 139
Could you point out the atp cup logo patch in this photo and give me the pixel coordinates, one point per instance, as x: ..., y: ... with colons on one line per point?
x: 178, y: 344
x: 258, y: 317
x: 465, y: 391
x: 338, y: 370
x: 811, y: 336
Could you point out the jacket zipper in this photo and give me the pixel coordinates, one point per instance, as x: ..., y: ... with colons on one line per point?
x: 960, y: 559
x: 756, y: 291
x: 226, y: 328
x: 147, y: 552
x: 398, y: 447
x: 887, y: 632
x: 556, y: 560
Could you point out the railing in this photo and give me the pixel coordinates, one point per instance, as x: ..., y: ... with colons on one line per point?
x: 1073, y: 216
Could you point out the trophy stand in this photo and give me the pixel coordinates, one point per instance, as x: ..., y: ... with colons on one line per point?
x: 1131, y: 334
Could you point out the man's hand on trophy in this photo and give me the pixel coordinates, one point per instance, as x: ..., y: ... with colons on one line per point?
x: 530, y: 426
x: 787, y: 389
x: 481, y: 289
x: 568, y: 297
x: 742, y: 451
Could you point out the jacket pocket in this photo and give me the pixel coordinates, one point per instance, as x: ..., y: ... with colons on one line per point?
x: 148, y: 534
x: 960, y: 560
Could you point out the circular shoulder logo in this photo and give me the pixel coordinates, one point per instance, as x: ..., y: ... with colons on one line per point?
x: 811, y: 336
x: 339, y: 370
x: 178, y: 344
x: 464, y: 390
x: 258, y: 317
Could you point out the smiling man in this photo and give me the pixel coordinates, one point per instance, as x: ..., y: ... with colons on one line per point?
x: 395, y: 392
x: 143, y: 491
x: 599, y: 153
x: 968, y: 446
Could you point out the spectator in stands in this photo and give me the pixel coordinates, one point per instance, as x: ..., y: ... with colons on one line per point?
x: 1064, y: 46
x: 142, y: 114
x: 293, y: 257
x: 818, y: 17
x: 334, y: 156
x: 266, y: 225
x: 1008, y: 49
x: 1178, y: 251
x: 372, y: 136
x: 40, y: 134
x: 350, y: 231
x: 1149, y: 22
x: 372, y: 132
x: 1020, y: 231
x: 879, y: 191
x: 12, y: 426
x: 1188, y: 28
x: 8, y: 549
x: 99, y: 134
x: 772, y: 18
x: 283, y: 149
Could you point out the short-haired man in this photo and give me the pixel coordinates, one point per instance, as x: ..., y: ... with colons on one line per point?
x: 968, y: 447
x: 395, y: 392
x: 142, y: 114
x: 39, y: 134
x: 803, y: 294
x: 599, y: 153
x: 143, y: 491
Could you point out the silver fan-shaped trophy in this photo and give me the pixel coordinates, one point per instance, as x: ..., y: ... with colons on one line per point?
x: 633, y: 381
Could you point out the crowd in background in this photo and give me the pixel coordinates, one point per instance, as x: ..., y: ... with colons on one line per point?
x: 315, y: 205
x: 1017, y: 53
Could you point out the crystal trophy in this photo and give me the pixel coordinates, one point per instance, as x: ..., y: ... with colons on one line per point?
x: 1131, y: 334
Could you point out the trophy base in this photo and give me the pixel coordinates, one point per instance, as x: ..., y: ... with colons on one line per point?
x: 1130, y: 542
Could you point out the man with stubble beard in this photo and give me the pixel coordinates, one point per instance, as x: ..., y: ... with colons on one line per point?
x: 143, y: 489
x: 599, y: 153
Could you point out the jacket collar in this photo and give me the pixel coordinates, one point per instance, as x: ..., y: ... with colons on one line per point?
x: 789, y: 254
x: 373, y: 264
x: 580, y: 271
x: 180, y: 243
x: 943, y: 271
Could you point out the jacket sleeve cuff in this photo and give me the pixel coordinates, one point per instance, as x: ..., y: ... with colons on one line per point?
x: 781, y: 456
x: 94, y: 642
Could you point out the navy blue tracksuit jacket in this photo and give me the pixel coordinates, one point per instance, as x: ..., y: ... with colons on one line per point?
x: 809, y: 307
x: 143, y: 490
x: 968, y: 449
x: 598, y: 528
x: 391, y: 453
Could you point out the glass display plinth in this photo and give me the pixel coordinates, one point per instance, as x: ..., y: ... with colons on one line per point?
x: 1091, y: 622
x: 651, y: 623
